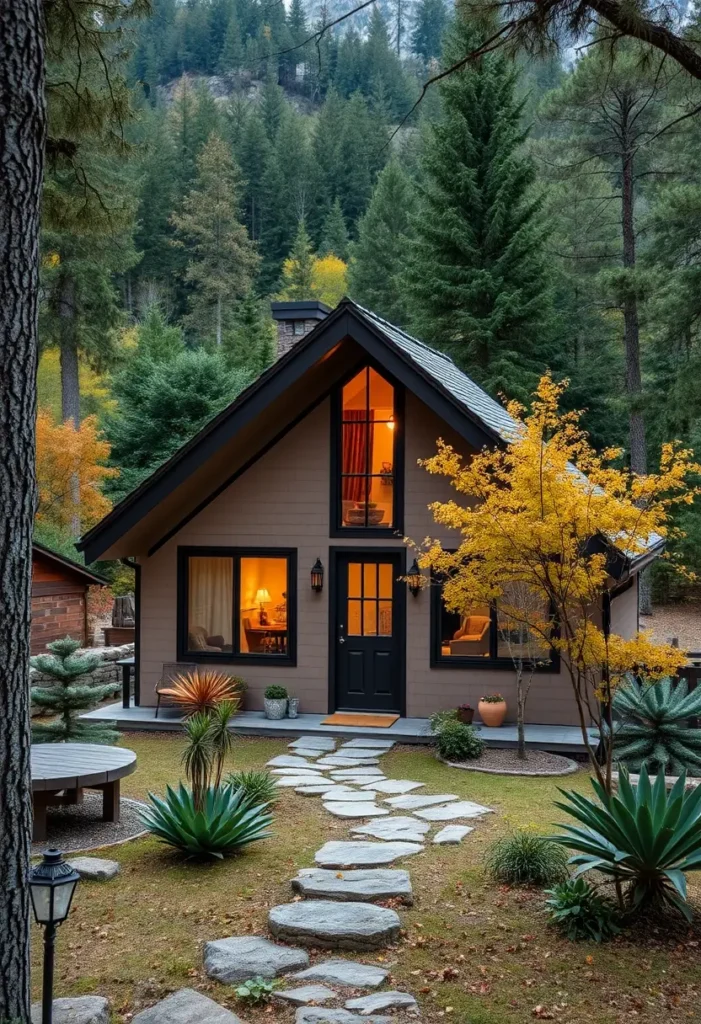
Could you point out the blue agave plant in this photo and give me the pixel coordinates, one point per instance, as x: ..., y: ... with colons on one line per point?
x: 226, y: 822
x: 642, y: 836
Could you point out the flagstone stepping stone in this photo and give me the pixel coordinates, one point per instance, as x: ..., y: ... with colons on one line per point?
x: 451, y: 834
x: 449, y: 812
x: 288, y: 761
x: 319, y: 1015
x: 321, y: 788
x: 332, y: 925
x: 359, y: 853
x: 351, y: 810
x: 305, y: 994
x: 186, y: 1007
x: 76, y: 1010
x: 383, y: 1001
x: 311, y: 770
x: 357, y: 773
x: 411, y: 830
x: 250, y: 956
x: 365, y: 884
x: 346, y: 973
x: 368, y: 741
x: 314, y: 742
x: 350, y: 795
x: 394, y: 786
x: 357, y: 754
x: 308, y: 752
x: 293, y: 780
x: 334, y: 761
x: 96, y: 869
x: 410, y: 803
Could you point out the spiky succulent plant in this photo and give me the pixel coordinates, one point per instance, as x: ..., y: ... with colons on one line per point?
x: 651, y: 726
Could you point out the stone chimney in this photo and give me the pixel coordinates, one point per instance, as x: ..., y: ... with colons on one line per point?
x: 295, y: 320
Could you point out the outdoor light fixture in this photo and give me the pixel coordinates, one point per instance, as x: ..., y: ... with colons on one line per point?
x: 51, y: 885
x: 414, y: 579
x: 317, y: 576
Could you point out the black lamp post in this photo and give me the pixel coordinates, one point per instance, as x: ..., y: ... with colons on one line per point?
x: 317, y: 576
x: 51, y: 885
x: 414, y: 579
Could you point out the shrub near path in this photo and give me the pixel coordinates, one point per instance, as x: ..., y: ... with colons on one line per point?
x: 482, y: 949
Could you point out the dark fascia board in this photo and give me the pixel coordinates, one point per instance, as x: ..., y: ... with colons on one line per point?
x: 309, y: 309
x: 345, y: 321
x: 619, y: 565
x: 68, y: 563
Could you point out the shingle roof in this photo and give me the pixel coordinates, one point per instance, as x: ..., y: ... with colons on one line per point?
x: 447, y: 375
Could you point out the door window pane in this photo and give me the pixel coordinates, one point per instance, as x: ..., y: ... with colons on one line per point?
x: 369, y: 618
x: 355, y: 583
x: 370, y: 579
x: 355, y: 618
x: 263, y: 611
x: 385, y: 618
x: 386, y: 580
x: 210, y: 604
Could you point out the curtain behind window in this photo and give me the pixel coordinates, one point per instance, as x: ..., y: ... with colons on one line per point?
x: 211, y: 594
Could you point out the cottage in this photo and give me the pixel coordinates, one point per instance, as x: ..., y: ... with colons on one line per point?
x: 59, y: 598
x: 315, y: 465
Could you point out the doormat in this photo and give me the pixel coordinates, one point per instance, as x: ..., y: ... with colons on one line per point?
x: 374, y: 721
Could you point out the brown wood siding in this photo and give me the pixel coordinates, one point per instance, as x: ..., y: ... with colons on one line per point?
x: 283, y: 501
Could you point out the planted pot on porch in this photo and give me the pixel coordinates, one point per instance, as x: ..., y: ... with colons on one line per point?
x: 492, y: 709
x: 465, y: 714
x: 275, y: 702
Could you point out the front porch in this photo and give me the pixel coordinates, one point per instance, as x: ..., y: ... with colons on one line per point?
x: 561, y: 739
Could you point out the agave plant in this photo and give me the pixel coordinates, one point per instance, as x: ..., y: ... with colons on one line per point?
x: 226, y: 822
x: 643, y: 837
x: 650, y: 726
x: 202, y: 691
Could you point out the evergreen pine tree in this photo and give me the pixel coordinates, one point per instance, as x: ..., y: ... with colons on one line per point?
x: 383, y: 233
x: 157, y: 339
x: 160, y: 261
x: 251, y: 345
x: 430, y: 21
x: 298, y: 280
x: 231, y: 56
x: 272, y: 107
x: 334, y: 234
x: 476, y: 282
x: 254, y: 155
x: 223, y: 260
x: 69, y: 697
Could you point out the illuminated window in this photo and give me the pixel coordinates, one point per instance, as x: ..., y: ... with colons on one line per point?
x: 367, y: 457
x: 236, y: 604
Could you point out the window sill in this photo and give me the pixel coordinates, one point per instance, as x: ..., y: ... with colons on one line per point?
x: 356, y: 532
x: 489, y: 664
x: 227, y: 658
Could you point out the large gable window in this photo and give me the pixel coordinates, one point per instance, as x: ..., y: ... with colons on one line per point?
x: 236, y: 604
x: 367, y: 482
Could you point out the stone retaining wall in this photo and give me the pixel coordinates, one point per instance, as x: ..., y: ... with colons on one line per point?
x: 106, y: 672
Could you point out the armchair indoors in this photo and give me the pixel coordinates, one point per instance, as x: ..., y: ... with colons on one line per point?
x: 472, y: 639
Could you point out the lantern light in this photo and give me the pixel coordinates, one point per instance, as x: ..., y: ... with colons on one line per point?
x: 317, y: 576
x: 414, y: 579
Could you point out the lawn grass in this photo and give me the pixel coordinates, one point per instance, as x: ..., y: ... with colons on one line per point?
x: 473, y: 951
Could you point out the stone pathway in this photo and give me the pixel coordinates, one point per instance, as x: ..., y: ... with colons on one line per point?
x: 336, y: 902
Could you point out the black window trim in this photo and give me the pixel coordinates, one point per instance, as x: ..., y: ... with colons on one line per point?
x: 236, y: 657
x: 336, y: 505
x: 439, y: 660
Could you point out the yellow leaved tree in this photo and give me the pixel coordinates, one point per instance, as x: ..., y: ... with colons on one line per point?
x: 547, y: 527
x: 70, y: 471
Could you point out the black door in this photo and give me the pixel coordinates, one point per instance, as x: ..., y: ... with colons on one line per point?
x: 369, y: 631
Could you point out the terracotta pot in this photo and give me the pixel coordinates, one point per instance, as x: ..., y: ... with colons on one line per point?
x: 492, y: 715
x: 465, y: 715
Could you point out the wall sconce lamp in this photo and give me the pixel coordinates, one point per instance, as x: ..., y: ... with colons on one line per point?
x: 414, y: 579
x: 317, y: 576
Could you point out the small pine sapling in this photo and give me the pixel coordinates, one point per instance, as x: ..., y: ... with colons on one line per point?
x: 69, y: 697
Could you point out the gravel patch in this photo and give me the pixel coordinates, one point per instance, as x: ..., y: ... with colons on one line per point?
x: 80, y: 827
x: 505, y: 762
x: 680, y: 620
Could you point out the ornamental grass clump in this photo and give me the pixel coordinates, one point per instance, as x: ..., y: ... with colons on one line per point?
x: 643, y: 838
x: 459, y: 742
x: 203, y: 691
x: 258, y: 785
x: 651, y: 726
x: 525, y: 858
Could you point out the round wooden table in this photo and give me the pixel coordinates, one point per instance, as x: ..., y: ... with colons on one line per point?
x: 69, y: 768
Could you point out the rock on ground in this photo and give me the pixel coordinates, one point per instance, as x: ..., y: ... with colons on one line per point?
x: 339, y: 854
x: 336, y: 761
x: 318, y: 1015
x: 410, y: 803
x: 76, y: 1010
x: 452, y: 811
x: 305, y: 994
x: 316, y: 742
x: 186, y: 1007
x: 331, y: 925
x: 354, y: 810
x: 408, y: 829
x: 346, y: 973
x: 368, y: 884
x: 250, y: 956
x: 383, y: 1001
x: 394, y: 786
x: 368, y: 741
x: 289, y: 761
x: 451, y: 834
x: 96, y: 869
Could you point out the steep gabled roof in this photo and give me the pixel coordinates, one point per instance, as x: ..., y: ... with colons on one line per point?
x: 67, y: 564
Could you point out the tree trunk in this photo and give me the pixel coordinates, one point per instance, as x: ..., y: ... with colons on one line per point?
x: 218, y: 321
x: 70, y: 380
x: 22, y: 132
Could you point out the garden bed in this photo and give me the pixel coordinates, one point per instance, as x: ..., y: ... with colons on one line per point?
x: 507, y: 762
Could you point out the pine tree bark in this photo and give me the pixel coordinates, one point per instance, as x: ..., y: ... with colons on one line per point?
x: 22, y: 134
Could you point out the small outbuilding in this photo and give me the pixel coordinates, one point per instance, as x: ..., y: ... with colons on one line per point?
x: 59, y: 597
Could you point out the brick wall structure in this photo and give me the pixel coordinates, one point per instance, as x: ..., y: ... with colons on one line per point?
x: 55, y: 616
